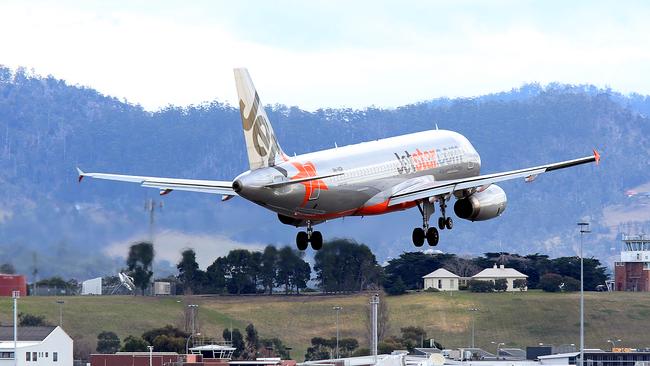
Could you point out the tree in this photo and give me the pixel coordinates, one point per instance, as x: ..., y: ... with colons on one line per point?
x: 29, y: 320
x: 268, y: 268
x: 168, y: 330
x: 500, y: 285
x: 166, y: 343
x: 594, y: 273
x: 292, y: 271
x: 550, y: 282
x: 238, y: 271
x: 7, y: 268
x: 520, y: 284
x: 216, y: 276
x: 139, y: 264
x: 236, y: 339
x: 394, y: 285
x: 480, y: 286
x: 252, y: 342
x: 413, y: 337
x: 108, y: 342
x: 188, y: 272
x: 276, y: 346
x: 134, y: 344
x: 344, y: 265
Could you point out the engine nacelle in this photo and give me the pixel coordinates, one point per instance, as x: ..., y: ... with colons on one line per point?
x: 294, y: 221
x: 482, y: 205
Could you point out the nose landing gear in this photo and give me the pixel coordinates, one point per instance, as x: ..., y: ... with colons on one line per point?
x: 303, y: 239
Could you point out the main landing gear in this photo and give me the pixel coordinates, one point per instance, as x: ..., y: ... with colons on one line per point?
x: 431, y: 234
x: 303, y: 239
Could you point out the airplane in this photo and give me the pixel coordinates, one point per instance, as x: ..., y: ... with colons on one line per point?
x: 371, y: 178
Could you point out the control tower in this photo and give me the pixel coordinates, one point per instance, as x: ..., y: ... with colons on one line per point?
x: 632, y: 272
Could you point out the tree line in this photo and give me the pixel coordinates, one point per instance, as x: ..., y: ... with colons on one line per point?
x: 558, y: 274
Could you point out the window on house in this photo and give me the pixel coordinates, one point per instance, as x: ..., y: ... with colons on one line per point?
x: 439, y: 283
x: 28, y: 356
x: 46, y: 355
x: 55, y: 356
x: 6, y: 355
x: 34, y: 356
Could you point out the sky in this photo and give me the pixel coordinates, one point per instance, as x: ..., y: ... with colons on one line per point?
x: 319, y: 54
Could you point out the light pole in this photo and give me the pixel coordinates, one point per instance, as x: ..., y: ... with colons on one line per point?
x: 499, y: 344
x: 613, y: 342
x: 584, y: 228
x: 374, y: 302
x: 15, y: 295
x: 192, y: 315
x: 473, y: 310
x: 187, y: 343
x: 150, y: 355
x: 338, y: 310
x: 60, y: 302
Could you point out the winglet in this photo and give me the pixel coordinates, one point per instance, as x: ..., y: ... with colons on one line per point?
x: 81, y: 174
x: 596, y: 156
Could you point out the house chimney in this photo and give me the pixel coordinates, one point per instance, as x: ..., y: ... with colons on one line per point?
x: 495, y: 265
x: 502, y: 266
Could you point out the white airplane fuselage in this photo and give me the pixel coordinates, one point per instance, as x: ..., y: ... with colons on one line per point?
x: 370, y: 173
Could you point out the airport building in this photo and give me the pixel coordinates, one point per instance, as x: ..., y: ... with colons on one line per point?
x: 632, y: 272
x: 48, y: 346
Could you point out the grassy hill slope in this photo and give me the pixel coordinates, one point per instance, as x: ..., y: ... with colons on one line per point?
x: 519, y: 319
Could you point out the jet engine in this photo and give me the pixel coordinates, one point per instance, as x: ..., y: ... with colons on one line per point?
x: 294, y: 221
x: 484, y: 205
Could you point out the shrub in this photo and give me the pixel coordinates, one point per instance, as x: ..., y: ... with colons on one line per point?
x: 431, y: 289
x: 550, y: 282
x: 521, y: 284
x: 481, y: 286
x: 501, y: 284
x: 570, y: 284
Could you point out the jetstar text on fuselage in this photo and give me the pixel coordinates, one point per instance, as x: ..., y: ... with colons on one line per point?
x: 417, y: 161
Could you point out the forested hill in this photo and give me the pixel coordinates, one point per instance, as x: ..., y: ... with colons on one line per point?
x: 50, y: 222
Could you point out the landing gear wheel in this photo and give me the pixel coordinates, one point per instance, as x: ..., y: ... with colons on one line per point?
x: 449, y: 223
x: 418, y: 237
x: 316, y: 240
x: 302, y: 240
x: 441, y: 223
x: 432, y: 236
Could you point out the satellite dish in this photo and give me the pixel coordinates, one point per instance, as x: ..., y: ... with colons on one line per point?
x: 437, y: 359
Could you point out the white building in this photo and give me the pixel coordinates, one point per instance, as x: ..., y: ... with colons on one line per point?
x: 500, y: 272
x: 36, y: 346
x: 441, y: 279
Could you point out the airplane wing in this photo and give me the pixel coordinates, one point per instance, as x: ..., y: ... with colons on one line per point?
x: 167, y: 185
x: 438, y: 188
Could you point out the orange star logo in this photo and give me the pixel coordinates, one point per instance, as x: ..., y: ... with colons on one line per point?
x: 305, y: 171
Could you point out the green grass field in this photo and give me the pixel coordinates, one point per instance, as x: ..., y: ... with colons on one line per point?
x: 519, y: 319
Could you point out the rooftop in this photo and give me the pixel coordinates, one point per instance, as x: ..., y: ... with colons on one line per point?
x: 33, y: 334
x: 441, y: 273
x: 499, y: 272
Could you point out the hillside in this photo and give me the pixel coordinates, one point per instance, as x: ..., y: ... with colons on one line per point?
x: 519, y: 319
x: 50, y: 223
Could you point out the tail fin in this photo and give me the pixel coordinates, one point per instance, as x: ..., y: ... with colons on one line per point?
x: 261, y: 143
